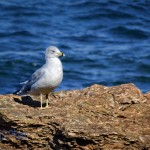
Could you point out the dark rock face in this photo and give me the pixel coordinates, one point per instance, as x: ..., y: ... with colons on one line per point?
x: 96, y: 117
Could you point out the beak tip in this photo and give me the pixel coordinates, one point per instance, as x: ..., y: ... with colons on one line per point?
x: 61, y: 54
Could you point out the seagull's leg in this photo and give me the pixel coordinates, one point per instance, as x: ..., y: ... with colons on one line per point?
x: 46, y: 100
x: 41, y: 98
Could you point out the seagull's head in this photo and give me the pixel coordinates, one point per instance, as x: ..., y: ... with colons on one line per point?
x: 53, y: 51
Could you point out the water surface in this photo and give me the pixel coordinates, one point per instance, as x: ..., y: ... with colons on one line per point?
x: 105, y: 41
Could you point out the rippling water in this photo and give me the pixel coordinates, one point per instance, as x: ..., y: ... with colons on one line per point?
x: 105, y: 41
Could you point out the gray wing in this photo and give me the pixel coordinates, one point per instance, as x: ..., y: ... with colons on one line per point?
x: 34, y: 78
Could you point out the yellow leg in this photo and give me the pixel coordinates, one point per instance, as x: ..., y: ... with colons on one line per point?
x: 41, y: 99
x: 46, y: 100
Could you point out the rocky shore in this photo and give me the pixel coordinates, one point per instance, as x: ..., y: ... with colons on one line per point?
x: 96, y: 117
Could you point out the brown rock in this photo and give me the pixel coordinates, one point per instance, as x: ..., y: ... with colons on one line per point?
x: 96, y: 117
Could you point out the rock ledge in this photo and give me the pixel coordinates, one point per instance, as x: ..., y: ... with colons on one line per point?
x: 96, y: 117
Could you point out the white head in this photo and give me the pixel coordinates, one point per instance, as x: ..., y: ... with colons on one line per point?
x: 52, y: 52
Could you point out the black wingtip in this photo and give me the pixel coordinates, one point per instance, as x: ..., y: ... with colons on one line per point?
x: 16, y: 93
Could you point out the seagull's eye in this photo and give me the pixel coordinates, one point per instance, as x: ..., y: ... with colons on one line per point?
x: 53, y: 51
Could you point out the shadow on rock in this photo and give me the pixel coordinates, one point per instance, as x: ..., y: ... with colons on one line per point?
x: 27, y: 100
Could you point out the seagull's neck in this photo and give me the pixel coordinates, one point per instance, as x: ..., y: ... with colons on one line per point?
x: 53, y: 61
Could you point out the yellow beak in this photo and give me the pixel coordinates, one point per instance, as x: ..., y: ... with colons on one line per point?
x: 61, y: 54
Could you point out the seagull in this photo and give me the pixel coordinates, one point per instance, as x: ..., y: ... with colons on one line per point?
x: 45, y: 79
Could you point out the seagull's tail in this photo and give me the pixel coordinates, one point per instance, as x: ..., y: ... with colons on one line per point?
x: 18, y: 92
x: 24, y: 90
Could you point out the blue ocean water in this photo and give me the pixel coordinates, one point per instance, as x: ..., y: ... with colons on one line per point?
x: 105, y: 41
